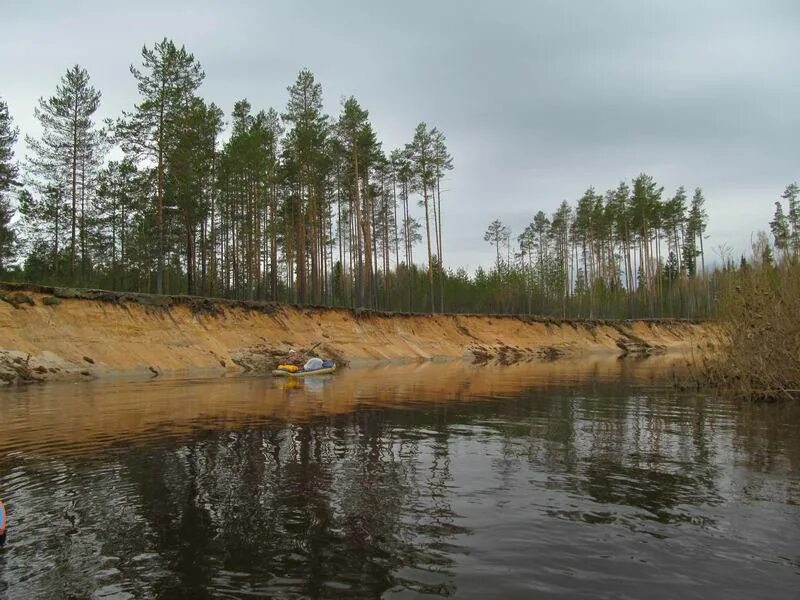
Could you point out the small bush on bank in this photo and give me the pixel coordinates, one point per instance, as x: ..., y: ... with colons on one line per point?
x: 759, y: 357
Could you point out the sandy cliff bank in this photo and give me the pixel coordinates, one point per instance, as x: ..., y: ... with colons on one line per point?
x: 58, y: 333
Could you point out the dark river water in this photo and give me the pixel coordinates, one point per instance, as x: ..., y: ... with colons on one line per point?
x: 576, y: 480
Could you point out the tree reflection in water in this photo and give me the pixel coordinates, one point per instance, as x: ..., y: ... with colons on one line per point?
x: 499, y: 492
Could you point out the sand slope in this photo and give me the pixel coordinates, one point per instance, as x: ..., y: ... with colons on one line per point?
x: 57, y: 336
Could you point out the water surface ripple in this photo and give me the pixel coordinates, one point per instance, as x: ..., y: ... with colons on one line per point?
x: 575, y: 480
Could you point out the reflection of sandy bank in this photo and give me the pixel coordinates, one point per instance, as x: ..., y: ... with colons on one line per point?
x: 459, y: 380
x: 61, y: 418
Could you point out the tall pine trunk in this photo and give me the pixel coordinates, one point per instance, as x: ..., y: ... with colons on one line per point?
x: 74, y: 177
x: 430, y: 257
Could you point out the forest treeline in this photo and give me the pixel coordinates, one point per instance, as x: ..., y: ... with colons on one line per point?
x: 295, y: 206
x: 300, y: 206
x: 628, y: 252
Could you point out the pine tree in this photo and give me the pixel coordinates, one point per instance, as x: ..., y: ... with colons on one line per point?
x: 671, y: 269
x: 689, y: 252
x: 167, y: 82
x: 582, y: 232
x: 559, y: 277
x: 422, y: 151
x: 403, y: 169
x: 45, y: 217
x: 305, y: 143
x: 645, y: 208
x: 120, y: 207
x: 370, y: 161
x: 248, y: 179
x: 187, y: 175
x: 68, y: 151
x: 767, y: 260
x: 442, y: 162
x: 781, y: 232
x: 8, y: 180
x: 698, y: 219
x: 272, y: 130
x: 792, y: 196
x: 351, y: 128
x: 496, y: 234
x: 527, y: 247
x: 621, y: 210
x: 674, y: 223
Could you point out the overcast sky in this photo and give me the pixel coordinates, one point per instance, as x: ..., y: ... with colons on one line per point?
x: 538, y: 99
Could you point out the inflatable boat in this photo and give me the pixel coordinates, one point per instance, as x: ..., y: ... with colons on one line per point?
x: 323, y: 371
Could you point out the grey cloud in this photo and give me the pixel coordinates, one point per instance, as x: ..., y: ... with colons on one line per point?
x: 539, y: 100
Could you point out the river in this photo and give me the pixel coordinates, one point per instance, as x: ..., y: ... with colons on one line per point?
x: 584, y: 479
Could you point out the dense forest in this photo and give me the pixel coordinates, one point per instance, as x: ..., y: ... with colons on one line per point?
x: 294, y: 206
x: 300, y: 206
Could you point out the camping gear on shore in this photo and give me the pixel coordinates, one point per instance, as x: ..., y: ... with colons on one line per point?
x: 314, y: 366
x: 3, y: 523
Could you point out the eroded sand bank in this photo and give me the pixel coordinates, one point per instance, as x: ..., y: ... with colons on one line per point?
x: 52, y: 334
